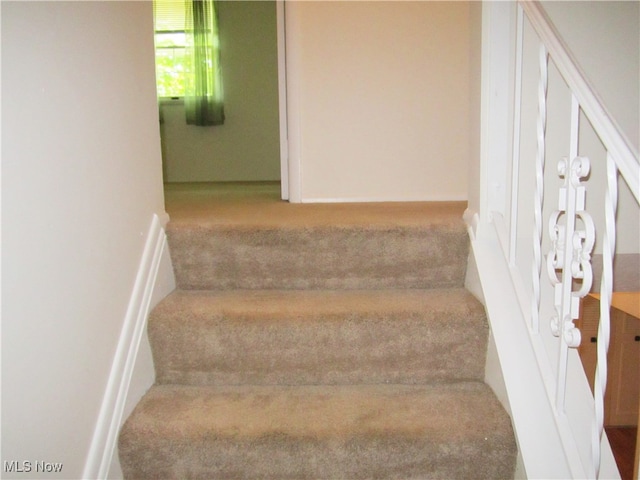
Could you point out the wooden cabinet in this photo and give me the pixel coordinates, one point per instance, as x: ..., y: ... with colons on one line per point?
x: 623, y: 382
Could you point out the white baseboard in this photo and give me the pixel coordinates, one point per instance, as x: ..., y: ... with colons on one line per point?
x: 105, y: 435
x: 408, y: 198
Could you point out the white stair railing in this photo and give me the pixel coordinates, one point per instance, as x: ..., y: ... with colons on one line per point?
x: 563, y: 235
x: 606, y: 292
x: 541, y: 124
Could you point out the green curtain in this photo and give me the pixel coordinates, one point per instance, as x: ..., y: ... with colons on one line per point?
x: 203, y: 98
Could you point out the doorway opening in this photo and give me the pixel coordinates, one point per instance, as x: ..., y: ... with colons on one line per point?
x: 251, y: 144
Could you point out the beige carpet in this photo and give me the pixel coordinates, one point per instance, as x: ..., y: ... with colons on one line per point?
x: 316, y: 342
x: 258, y: 205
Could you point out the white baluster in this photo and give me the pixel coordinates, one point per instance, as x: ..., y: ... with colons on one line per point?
x: 606, y: 291
x: 515, y: 172
x: 571, y: 256
x: 539, y: 191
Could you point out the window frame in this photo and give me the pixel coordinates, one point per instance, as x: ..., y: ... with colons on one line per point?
x: 171, y: 20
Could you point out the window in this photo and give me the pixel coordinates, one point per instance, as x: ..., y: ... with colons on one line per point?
x: 188, y: 58
x: 171, y: 41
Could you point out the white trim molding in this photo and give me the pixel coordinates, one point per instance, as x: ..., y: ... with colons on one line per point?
x: 535, y: 424
x: 282, y: 99
x: 472, y: 220
x: 391, y: 198
x: 293, y: 82
x: 105, y: 435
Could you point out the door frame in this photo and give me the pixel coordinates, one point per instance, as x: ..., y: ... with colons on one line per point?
x: 288, y: 104
x: 282, y: 100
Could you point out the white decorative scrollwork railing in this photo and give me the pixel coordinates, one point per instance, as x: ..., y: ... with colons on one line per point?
x: 558, y: 265
x: 571, y: 255
x: 571, y: 252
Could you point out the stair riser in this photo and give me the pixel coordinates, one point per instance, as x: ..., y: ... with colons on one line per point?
x: 329, y: 350
x: 206, y: 258
x: 446, y: 431
x: 280, y: 458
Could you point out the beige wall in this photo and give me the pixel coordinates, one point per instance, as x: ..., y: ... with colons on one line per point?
x: 383, y: 99
x: 247, y: 146
x: 475, y: 98
x: 81, y: 181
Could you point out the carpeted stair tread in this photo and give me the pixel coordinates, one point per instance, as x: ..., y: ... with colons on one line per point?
x: 456, y: 430
x: 316, y: 342
x: 260, y: 206
x: 349, y: 256
x: 318, y: 337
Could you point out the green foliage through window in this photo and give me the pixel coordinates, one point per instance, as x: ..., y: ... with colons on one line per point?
x: 188, y: 58
x: 170, y: 40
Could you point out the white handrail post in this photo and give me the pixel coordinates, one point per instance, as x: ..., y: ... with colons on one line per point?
x: 498, y: 22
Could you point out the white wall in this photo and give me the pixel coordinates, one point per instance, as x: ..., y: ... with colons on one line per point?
x: 381, y: 99
x: 605, y: 39
x: 247, y: 146
x: 81, y: 180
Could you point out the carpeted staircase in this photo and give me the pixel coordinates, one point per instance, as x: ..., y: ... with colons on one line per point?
x: 317, y: 342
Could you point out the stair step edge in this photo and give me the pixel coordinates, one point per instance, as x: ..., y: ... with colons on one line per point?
x: 356, y: 432
x: 316, y: 303
x: 464, y: 409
